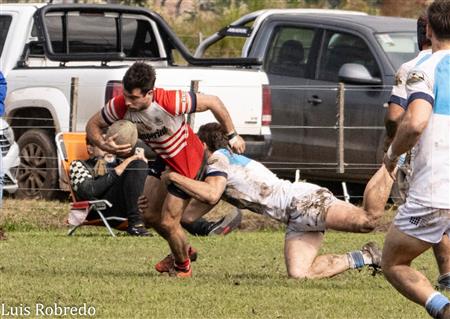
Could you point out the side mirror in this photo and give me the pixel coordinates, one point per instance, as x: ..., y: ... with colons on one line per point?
x: 356, y: 74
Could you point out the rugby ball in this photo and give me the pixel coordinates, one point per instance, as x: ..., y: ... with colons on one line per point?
x: 126, y: 132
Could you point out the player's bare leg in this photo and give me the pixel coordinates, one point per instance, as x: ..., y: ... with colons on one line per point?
x: 347, y: 217
x: 442, y: 254
x: 172, y: 231
x: 300, y: 252
x: 155, y: 191
x: 398, y: 253
x: 163, y: 212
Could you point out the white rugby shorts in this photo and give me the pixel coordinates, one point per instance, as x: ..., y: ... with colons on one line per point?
x: 425, y: 223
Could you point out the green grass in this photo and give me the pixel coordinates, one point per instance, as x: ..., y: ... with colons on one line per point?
x: 238, y: 276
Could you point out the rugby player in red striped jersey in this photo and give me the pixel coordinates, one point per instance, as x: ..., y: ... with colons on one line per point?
x: 160, y: 118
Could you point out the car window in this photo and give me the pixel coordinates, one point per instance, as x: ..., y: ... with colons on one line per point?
x: 289, y: 51
x: 399, y: 46
x: 342, y: 48
x: 98, y: 34
x: 138, y: 38
x: 5, y: 22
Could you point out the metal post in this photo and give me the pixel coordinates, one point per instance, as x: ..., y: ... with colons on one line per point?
x: 73, y: 104
x: 340, y: 101
x: 345, y: 191
x: 297, y: 175
x: 191, y: 116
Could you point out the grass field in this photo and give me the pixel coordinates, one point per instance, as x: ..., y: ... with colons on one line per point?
x: 241, y: 275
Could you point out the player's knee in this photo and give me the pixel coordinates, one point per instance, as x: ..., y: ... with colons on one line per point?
x: 442, y: 259
x: 299, y: 274
x: 302, y: 276
x: 296, y: 275
x: 387, y: 266
x: 167, y: 225
x: 387, y: 269
x: 368, y: 226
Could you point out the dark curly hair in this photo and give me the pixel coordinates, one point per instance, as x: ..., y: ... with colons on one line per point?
x: 213, y: 135
x: 139, y: 76
x: 439, y: 19
x: 422, y: 39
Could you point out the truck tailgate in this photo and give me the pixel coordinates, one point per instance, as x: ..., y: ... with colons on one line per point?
x: 240, y: 90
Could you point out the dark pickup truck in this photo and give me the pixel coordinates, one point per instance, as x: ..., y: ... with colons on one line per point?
x: 306, y: 54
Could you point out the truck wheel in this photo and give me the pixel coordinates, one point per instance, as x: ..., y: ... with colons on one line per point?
x: 38, y: 170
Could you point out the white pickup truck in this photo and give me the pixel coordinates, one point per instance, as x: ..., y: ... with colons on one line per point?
x: 63, y: 62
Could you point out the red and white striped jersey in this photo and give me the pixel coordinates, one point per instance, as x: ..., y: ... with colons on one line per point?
x: 163, y: 127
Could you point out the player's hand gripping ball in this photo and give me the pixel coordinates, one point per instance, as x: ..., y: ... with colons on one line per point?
x: 125, y: 133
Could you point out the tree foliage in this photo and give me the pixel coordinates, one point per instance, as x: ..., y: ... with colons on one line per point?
x: 193, y: 20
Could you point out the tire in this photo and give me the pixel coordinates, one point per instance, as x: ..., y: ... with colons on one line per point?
x: 38, y: 171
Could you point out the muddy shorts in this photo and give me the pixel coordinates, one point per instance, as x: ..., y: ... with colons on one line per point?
x: 307, y: 212
x: 425, y: 223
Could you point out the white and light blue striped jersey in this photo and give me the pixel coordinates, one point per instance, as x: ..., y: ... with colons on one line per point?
x: 398, y: 94
x: 430, y: 181
x: 252, y: 186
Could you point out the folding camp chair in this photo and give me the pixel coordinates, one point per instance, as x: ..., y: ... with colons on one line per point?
x: 72, y: 146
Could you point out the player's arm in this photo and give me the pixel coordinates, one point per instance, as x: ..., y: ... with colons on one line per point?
x: 94, y: 130
x: 392, y: 119
x: 416, y: 118
x: 215, y: 105
x: 209, y: 191
x: 397, y: 105
x: 178, y: 102
x: 412, y: 126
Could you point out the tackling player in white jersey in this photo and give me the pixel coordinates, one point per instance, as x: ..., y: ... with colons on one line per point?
x: 307, y: 209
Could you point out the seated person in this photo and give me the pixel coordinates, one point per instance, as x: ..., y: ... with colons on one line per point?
x: 121, y: 182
